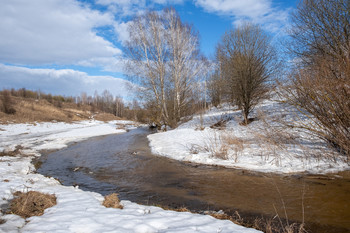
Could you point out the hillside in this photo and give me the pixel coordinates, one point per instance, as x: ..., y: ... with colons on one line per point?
x: 267, y: 144
x: 29, y: 110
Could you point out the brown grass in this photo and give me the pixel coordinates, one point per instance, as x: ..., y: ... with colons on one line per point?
x: 112, y: 201
x: 31, y: 110
x: 235, y: 143
x: 32, y: 203
x: 106, y: 117
x: 28, y: 110
x: 14, y: 152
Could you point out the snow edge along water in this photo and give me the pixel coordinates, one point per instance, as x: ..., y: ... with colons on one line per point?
x: 77, y: 210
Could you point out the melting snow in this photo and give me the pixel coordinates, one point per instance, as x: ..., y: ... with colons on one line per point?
x: 77, y: 210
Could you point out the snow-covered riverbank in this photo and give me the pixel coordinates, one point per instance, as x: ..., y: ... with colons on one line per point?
x: 77, y: 210
x: 265, y: 145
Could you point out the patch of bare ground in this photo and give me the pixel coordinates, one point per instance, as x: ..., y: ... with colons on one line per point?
x: 16, y: 151
x: 105, y: 117
x: 32, y: 203
x: 112, y: 201
x: 33, y: 110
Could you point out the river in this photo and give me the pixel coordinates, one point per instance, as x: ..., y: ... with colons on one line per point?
x: 123, y: 163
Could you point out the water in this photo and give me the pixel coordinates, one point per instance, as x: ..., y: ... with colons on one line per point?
x: 124, y: 164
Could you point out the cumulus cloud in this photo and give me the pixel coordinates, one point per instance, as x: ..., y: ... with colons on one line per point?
x: 45, y: 32
x: 63, y: 82
x: 258, y: 11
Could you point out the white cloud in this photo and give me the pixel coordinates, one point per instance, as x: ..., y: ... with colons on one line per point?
x: 63, y: 82
x: 43, y: 32
x: 133, y: 7
x: 121, y: 29
x: 258, y: 11
x: 124, y: 7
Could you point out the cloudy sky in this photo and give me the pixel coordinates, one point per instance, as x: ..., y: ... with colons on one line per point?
x: 69, y: 46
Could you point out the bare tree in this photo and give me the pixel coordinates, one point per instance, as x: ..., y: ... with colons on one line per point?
x: 7, y: 102
x: 247, y: 61
x: 321, y: 33
x: 146, y: 54
x: 119, y: 107
x: 321, y: 79
x: 217, y: 88
x: 186, y: 63
x: 84, y: 98
x: 163, y: 55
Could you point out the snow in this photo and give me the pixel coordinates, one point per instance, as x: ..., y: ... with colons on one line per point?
x: 265, y: 145
x: 77, y: 210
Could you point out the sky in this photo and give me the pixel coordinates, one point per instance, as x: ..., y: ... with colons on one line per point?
x: 67, y: 47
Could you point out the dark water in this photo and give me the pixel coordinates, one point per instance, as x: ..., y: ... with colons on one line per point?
x: 124, y: 164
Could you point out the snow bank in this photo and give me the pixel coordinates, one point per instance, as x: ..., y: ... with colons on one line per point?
x: 260, y: 146
x: 77, y: 210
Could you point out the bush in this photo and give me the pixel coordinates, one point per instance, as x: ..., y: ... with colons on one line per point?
x: 326, y: 103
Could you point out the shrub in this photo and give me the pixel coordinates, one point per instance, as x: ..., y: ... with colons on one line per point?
x: 326, y: 103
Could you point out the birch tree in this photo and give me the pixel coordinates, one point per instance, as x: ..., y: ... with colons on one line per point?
x: 163, y: 56
x: 185, y: 64
x: 146, y: 54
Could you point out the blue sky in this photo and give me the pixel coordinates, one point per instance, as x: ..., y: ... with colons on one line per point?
x: 70, y: 46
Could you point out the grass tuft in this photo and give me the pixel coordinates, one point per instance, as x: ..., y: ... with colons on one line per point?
x: 32, y: 203
x: 112, y: 201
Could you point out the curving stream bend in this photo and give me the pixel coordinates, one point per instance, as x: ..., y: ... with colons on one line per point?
x: 123, y: 163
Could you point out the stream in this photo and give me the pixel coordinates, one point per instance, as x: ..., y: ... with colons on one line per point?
x: 123, y: 163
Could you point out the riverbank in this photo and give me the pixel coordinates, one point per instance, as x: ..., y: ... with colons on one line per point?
x: 217, y: 137
x: 77, y: 210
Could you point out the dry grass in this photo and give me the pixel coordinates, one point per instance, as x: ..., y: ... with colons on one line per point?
x: 234, y: 143
x: 182, y: 209
x: 220, y: 144
x: 32, y: 110
x: 32, y: 203
x: 16, y: 151
x: 112, y: 201
x: 177, y: 209
x: 214, y: 145
x: 106, y: 117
